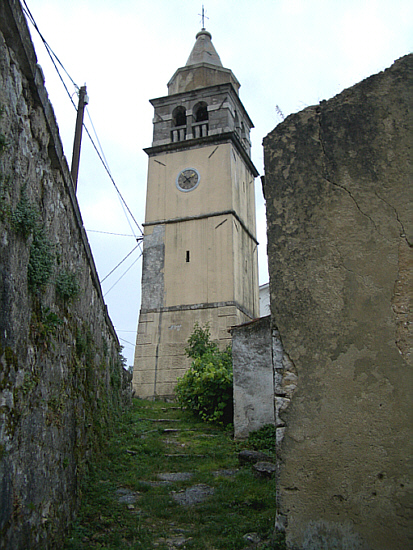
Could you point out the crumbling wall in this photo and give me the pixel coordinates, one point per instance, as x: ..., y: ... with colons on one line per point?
x: 338, y: 192
x: 60, y: 368
x: 253, y: 376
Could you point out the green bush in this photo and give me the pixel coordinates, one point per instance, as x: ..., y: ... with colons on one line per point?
x: 206, y: 388
x: 200, y: 342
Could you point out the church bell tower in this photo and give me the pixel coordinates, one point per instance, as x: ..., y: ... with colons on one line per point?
x: 200, y: 248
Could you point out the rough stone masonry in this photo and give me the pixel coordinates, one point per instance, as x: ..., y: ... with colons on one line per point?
x: 60, y: 369
x: 338, y: 188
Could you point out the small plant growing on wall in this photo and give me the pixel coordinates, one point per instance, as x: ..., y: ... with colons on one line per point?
x: 206, y: 388
x: 3, y: 139
x: 5, y: 181
x: 67, y: 285
x: 5, y: 184
x: 25, y: 216
x: 26, y: 221
x: 46, y: 324
x: 3, y: 142
x: 41, y: 261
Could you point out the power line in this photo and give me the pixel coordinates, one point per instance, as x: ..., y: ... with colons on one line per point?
x: 130, y: 267
x: 123, y: 340
x: 101, y: 156
x: 110, y: 233
x: 48, y: 48
x: 112, y: 180
x: 120, y: 263
x: 106, y: 165
x: 96, y: 136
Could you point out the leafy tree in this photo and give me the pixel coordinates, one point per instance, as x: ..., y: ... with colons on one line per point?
x: 206, y: 388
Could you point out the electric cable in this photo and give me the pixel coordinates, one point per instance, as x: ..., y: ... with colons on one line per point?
x: 110, y: 233
x: 123, y: 340
x: 96, y: 136
x: 101, y: 156
x: 106, y: 164
x: 112, y: 180
x: 121, y: 277
x: 27, y: 11
x: 120, y: 263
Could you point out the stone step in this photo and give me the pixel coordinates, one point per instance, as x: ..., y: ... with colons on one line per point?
x: 180, y: 455
x: 162, y: 420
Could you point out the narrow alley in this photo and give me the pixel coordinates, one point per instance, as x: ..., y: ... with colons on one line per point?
x: 168, y: 480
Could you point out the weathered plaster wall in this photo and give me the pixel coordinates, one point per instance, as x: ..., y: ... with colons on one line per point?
x: 60, y: 369
x: 338, y: 190
x: 253, y: 376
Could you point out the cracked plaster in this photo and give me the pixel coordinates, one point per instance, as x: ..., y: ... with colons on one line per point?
x: 337, y: 180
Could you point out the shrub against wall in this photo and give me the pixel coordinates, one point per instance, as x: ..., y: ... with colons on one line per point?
x: 206, y: 388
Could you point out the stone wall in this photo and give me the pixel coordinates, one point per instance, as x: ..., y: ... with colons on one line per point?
x: 253, y: 376
x: 60, y: 368
x: 338, y: 193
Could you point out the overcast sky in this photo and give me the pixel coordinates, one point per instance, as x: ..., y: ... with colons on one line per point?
x: 285, y: 53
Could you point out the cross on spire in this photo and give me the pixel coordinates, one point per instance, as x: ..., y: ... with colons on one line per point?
x: 203, y: 16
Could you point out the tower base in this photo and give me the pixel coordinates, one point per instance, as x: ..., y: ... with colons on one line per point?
x: 162, y: 337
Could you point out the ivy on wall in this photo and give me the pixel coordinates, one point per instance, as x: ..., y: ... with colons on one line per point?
x: 25, y: 217
x: 67, y: 285
x: 4, y: 180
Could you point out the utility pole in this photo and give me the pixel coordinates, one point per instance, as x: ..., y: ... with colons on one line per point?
x: 83, y: 101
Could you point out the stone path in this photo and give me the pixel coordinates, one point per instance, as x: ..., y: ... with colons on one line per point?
x: 177, y: 479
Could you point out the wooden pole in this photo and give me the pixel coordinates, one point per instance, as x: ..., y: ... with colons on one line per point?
x: 83, y: 101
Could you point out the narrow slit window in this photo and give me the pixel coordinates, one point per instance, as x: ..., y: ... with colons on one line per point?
x: 187, y: 256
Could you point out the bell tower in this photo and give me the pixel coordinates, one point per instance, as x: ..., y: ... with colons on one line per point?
x: 200, y: 247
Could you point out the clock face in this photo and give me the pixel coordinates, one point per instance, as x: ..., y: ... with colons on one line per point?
x: 187, y: 179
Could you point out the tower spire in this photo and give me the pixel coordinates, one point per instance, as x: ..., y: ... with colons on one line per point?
x: 203, y: 67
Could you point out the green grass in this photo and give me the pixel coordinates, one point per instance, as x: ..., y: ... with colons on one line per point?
x: 134, y: 456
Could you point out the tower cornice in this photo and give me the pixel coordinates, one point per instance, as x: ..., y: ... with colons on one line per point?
x: 195, y: 143
x: 203, y: 216
x: 219, y: 74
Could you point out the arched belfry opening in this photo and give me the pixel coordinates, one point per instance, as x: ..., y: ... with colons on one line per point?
x: 201, y: 111
x: 200, y: 125
x: 178, y: 131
